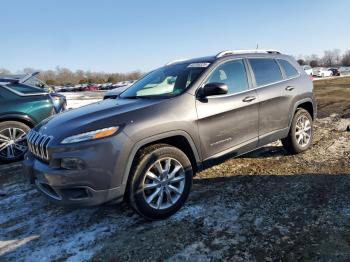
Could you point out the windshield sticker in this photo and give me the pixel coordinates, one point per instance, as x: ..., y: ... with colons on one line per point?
x: 199, y: 65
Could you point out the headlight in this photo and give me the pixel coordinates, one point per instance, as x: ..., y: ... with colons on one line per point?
x: 92, y: 135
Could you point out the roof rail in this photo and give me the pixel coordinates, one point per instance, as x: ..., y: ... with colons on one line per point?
x: 175, y: 61
x: 253, y: 51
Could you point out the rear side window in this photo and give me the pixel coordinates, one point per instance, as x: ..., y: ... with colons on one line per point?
x: 24, y: 89
x: 231, y: 73
x: 266, y: 71
x: 288, y: 68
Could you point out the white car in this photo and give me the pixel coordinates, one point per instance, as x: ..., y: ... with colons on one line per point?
x: 308, y: 70
x: 324, y: 72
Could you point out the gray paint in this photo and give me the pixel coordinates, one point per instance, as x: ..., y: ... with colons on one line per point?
x: 214, y: 127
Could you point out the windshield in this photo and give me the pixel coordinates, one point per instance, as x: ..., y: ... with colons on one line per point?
x: 167, y: 81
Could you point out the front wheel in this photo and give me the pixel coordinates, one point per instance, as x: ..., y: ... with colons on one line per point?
x: 300, y: 134
x: 13, y: 140
x: 160, y: 181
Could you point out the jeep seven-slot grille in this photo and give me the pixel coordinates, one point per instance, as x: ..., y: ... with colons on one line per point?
x: 38, y: 144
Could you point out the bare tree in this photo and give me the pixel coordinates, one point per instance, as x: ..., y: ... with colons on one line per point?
x: 4, y: 71
x: 331, y: 57
x: 314, y: 63
x: 27, y: 70
x: 346, y: 59
x: 63, y: 76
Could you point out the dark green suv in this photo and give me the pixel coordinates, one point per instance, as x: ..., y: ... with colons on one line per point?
x: 24, y: 102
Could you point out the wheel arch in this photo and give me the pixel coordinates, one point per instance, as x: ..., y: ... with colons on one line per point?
x: 23, y: 118
x: 179, y: 139
x: 307, y: 104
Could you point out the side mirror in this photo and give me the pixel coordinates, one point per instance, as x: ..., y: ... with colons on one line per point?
x: 213, y: 89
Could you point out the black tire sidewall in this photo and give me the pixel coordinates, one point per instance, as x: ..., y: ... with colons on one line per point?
x: 10, y: 124
x: 137, y: 198
x: 293, y: 138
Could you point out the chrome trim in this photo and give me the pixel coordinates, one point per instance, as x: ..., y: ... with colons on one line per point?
x: 38, y: 144
x: 252, y: 51
x: 46, y: 148
x: 42, y: 147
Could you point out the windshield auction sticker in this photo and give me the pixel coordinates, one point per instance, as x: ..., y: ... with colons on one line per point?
x: 199, y: 65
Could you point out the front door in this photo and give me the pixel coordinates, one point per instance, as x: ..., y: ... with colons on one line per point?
x: 228, y: 122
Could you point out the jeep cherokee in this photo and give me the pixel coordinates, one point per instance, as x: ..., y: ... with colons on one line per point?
x: 146, y: 145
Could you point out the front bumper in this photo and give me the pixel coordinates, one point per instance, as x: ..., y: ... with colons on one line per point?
x: 100, y: 180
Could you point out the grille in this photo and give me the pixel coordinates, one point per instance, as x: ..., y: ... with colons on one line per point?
x: 38, y: 144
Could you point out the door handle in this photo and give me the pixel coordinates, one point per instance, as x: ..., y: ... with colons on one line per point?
x: 289, y: 88
x: 249, y: 99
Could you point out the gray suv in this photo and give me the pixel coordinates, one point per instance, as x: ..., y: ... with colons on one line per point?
x: 146, y: 145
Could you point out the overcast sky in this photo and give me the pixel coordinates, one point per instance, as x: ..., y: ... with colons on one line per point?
x: 122, y: 36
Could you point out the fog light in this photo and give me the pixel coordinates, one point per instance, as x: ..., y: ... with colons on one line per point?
x: 72, y: 163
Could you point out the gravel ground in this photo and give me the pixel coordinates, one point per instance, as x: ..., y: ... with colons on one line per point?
x: 264, y: 206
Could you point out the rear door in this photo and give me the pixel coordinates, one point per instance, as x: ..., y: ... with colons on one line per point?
x: 227, y: 122
x: 276, y: 94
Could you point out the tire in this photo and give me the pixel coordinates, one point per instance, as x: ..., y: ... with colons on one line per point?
x: 293, y: 143
x: 13, y: 141
x: 147, y: 164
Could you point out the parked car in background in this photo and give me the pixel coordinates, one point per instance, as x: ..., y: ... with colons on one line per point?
x: 308, y: 70
x: 24, y: 104
x: 90, y: 88
x: 324, y: 72
x: 344, y: 70
x: 316, y: 70
x: 146, y: 145
x: 115, y: 92
x: 335, y: 71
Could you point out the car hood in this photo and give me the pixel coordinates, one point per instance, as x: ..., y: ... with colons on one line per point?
x: 107, y: 113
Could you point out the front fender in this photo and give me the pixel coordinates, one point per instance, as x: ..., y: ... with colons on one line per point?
x: 156, y: 138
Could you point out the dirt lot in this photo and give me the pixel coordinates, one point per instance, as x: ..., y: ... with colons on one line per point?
x: 264, y: 206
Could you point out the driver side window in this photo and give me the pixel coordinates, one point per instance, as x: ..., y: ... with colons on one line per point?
x: 231, y: 73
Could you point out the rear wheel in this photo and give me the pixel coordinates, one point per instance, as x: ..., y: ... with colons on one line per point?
x: 13, y: 140
x: 300, y: 134
x: 160, y: 181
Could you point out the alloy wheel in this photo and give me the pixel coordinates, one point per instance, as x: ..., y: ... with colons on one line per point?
x: 13, y: 142
x: 164, y: 183
x: 303, y: 131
